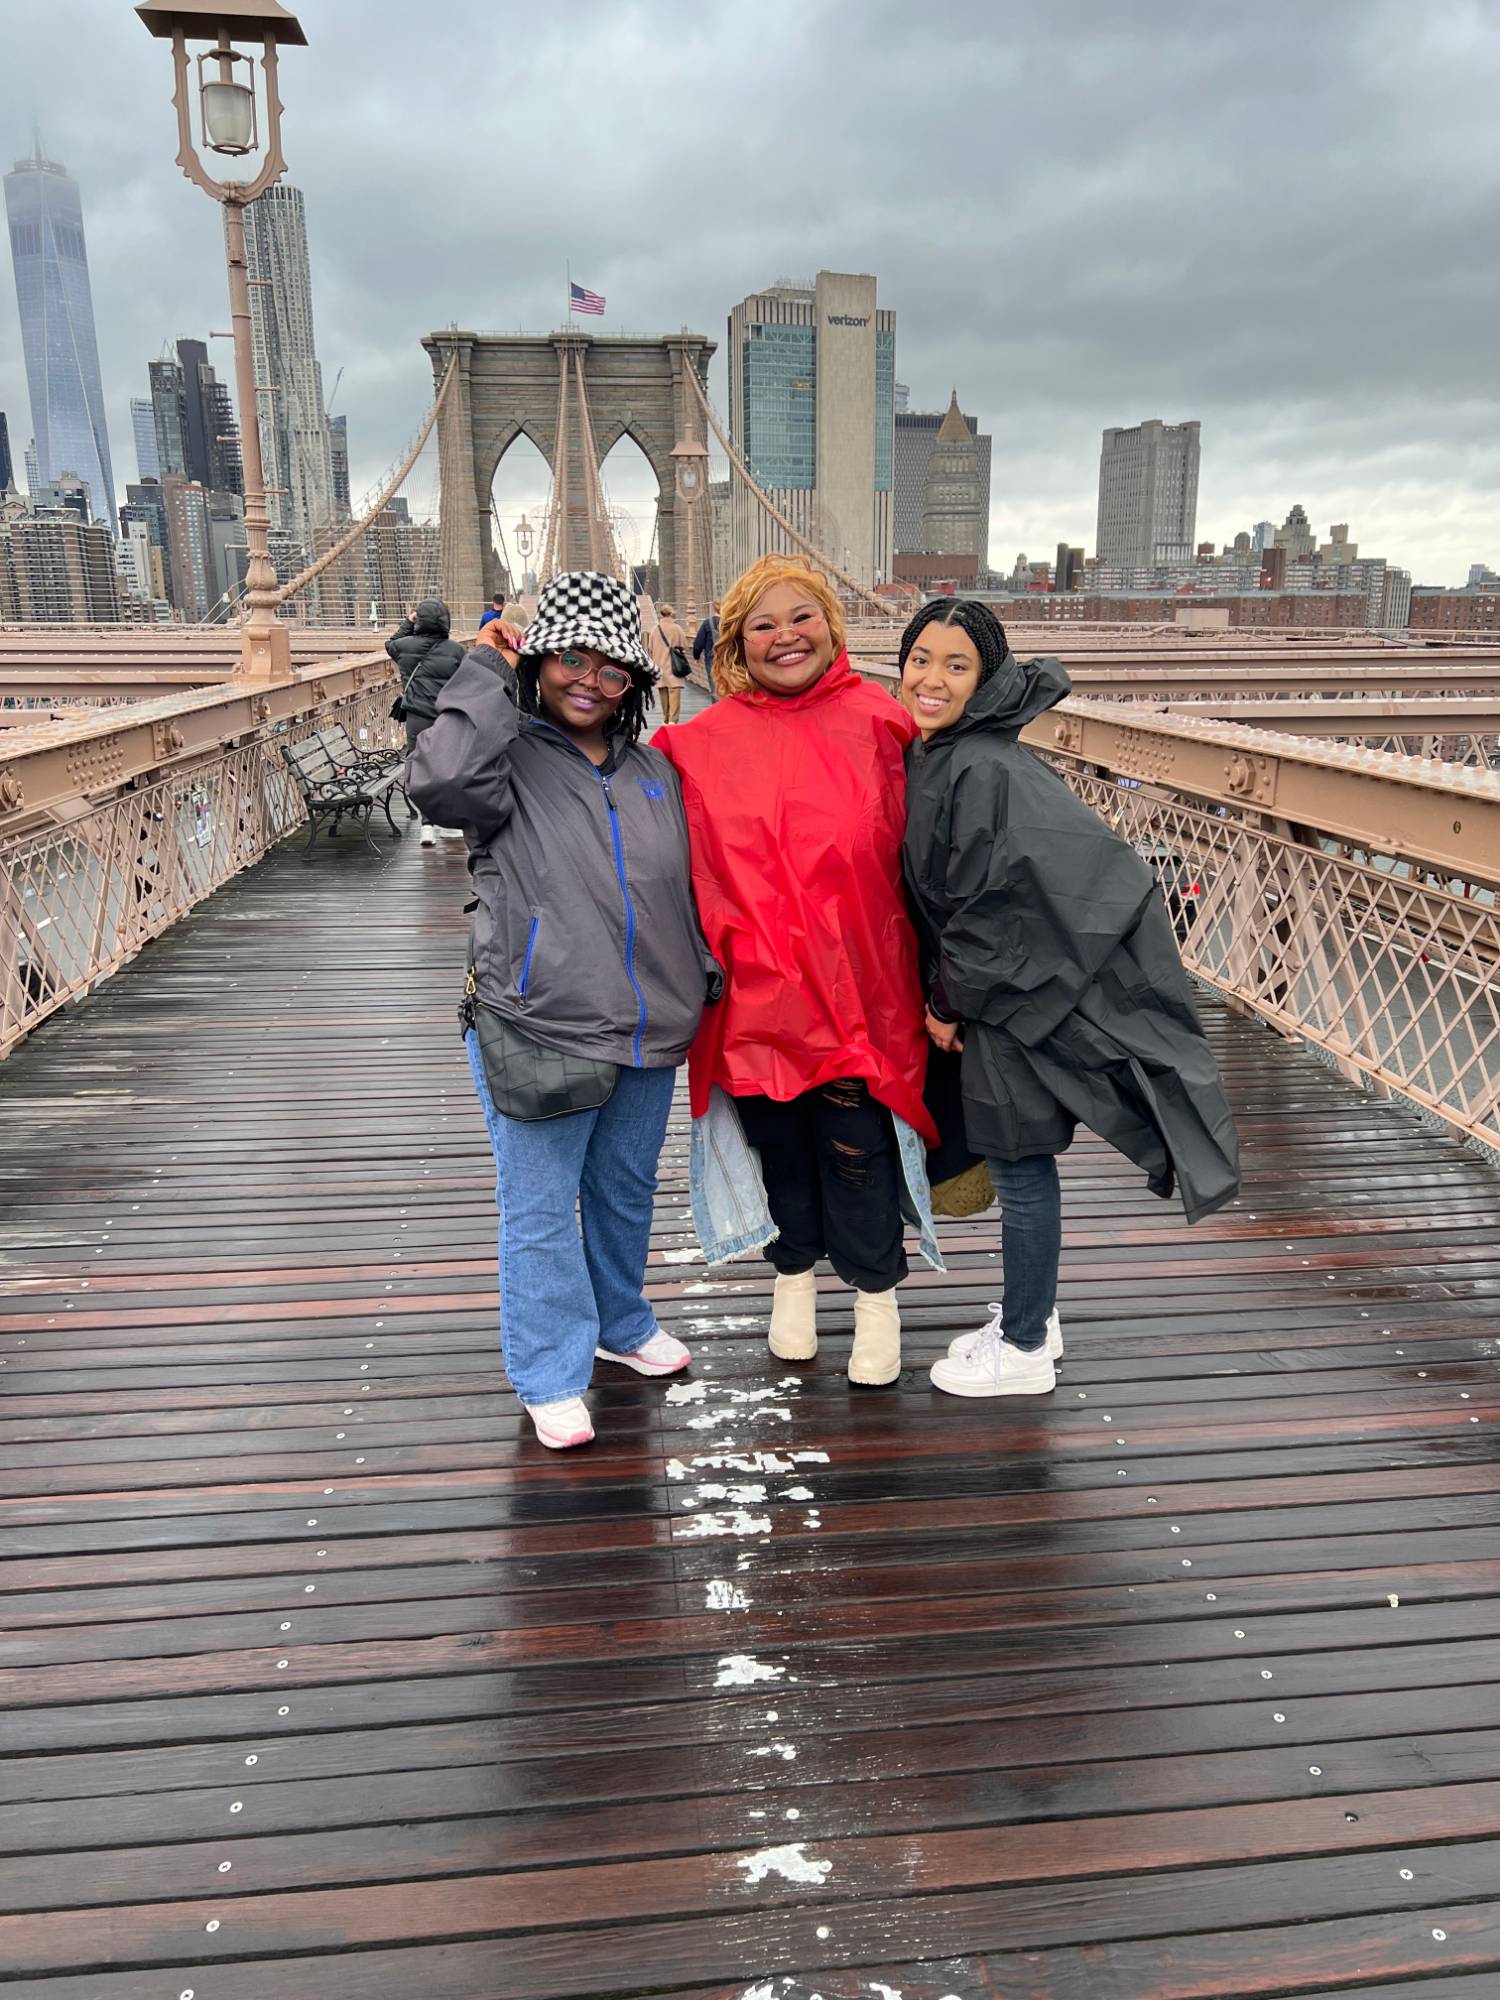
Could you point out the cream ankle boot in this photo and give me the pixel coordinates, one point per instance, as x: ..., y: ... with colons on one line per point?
x: 876, y: 1355
x: 794, y: 1309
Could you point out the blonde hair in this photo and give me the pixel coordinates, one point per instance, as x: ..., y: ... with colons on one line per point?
x: 731, y: 675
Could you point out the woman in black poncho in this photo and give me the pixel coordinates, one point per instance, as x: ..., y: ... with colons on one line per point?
x: 1053, y: 964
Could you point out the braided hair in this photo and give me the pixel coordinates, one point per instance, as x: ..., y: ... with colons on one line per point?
x: 971, y: 617
x: 629, y: 718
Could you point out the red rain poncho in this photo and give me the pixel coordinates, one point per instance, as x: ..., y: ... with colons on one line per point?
x: 796, y: 807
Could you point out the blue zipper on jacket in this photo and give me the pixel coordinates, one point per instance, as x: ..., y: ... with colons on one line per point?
x: 619, y: 848
x: 525, y: 980
x: 614, y: 829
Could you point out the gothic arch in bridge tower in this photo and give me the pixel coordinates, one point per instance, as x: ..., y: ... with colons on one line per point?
x: 510, y: 385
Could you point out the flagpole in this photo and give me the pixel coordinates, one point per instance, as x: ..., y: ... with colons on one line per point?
x: 568, y: 313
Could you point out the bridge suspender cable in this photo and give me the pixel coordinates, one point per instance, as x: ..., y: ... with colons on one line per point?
x: 769, y: 506
x: 347, y: 540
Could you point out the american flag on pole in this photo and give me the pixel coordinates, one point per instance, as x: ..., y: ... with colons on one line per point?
x: 581, y: 300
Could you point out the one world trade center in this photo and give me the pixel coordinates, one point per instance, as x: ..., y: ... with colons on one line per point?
x: 57, y: 328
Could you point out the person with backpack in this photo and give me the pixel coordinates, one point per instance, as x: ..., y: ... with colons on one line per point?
x: 588, y: 976
x: 425, y: 658
x: 1053, y: 966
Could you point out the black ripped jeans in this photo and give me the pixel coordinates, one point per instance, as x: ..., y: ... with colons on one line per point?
x: 833, y: 1182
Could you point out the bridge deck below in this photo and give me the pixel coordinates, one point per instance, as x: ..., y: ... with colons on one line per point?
x: 320, y: 1678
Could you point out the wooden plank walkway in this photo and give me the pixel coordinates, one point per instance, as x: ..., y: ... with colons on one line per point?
x: 320, y: 1679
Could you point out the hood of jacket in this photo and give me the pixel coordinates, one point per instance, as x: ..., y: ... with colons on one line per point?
x: 1016, y: 693
x: 431, y: 615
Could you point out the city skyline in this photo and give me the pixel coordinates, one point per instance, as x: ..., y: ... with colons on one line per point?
x: 1146, y: 251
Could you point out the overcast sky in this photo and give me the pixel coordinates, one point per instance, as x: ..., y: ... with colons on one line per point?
x: 1283, y: 222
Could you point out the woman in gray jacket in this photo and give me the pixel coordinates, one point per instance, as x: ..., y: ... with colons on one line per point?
x: 588, y: 975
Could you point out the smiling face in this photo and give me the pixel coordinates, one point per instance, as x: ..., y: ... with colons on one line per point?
x: 788, y: 646
x: 580, y: 690
x: 941, y: 676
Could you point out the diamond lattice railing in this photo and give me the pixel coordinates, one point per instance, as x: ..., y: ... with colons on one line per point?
x: 1393, y: 973
x: 81, y: 899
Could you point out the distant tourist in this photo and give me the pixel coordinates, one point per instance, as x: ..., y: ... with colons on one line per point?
x: 496, y: 610
x: 704, y: 641
x: 425, y: 657
x: 1054, y: 967
x: 588, y: 976
x: 795, y: 789
x: 668, y: 644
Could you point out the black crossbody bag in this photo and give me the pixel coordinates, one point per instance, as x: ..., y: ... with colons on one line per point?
x: 526, y: 1081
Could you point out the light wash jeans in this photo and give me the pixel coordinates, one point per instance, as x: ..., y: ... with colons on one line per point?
x: 566, y: 1289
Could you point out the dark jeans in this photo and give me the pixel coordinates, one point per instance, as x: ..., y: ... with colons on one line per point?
x: 833, y: 1182
x: 1030, y: 1197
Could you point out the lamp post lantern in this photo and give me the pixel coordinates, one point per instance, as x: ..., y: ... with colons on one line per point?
x: 230, y: 114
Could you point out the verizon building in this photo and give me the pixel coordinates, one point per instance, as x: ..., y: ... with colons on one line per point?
x: 812, y: 384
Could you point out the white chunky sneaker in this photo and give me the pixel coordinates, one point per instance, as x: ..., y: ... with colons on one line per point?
x: 875, y: 1358
x: 661, y: 1355
x: 794, y: 1314
x: 451, y: 832
x: 995, y: 1368
x: 560, y: 1425
x: 428, y: 836
x: 965, y: 1343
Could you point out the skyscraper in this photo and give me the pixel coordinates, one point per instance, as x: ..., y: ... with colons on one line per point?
x: 7, y: 470
x: 338, y: 439
x: 57, y: 326
x: 143, y: 423
x: 812, y: 387
x: 294, y: 437
x: 916, y: 434
x: 169, y: 417
x: 953, y: 521
x: 212, y: 436
x: 1148, y: 492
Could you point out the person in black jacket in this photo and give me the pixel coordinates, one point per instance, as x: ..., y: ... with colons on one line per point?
x: 1054, y: 967
x: 425, y: 657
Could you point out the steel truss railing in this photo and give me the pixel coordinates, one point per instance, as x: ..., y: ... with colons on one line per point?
x: 1391, y: 973
x: 80, y: 899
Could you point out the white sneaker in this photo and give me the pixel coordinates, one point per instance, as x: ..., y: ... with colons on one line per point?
x: 875, y: 1358
x: 428, y: 836
x: 451, y: 832
x: 661, y: 1355
x: 995, y: 1368
x: 965, y: 1343
x: 794, y: 1315
x: 560, y: 1425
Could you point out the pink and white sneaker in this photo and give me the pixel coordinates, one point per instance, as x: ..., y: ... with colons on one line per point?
x: 561, y: 1425
x: 661, y: 1355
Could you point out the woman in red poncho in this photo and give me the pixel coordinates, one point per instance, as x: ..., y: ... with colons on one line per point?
x: 794, y: 785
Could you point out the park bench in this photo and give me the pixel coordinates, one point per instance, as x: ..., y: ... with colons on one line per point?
x: 336, y: 776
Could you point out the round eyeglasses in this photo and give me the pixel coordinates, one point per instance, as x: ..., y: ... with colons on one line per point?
x: 575, y: 666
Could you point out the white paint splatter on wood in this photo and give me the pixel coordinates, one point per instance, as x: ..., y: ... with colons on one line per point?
x: 791, y: 1863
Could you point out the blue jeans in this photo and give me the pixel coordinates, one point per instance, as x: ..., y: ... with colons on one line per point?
x: 566, y: 1289
x: 1030, y: 1197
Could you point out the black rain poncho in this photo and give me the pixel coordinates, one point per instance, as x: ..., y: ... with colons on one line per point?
x: 1052, y: 944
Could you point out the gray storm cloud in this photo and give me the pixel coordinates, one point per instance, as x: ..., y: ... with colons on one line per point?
x: 1281, y: 223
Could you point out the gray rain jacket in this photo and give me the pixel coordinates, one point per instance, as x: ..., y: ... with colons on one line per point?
x: 1055, y: 949
x: 586, y: 936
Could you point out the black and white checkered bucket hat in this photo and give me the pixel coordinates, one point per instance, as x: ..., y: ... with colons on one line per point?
x: 586, y: 608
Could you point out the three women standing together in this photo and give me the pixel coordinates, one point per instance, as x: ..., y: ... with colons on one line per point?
x: 734, y: 892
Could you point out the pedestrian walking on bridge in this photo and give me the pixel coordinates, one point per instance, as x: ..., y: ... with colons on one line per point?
x: 425, y: 658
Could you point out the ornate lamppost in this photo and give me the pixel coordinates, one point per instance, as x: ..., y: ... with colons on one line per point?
x: 230, y: 118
